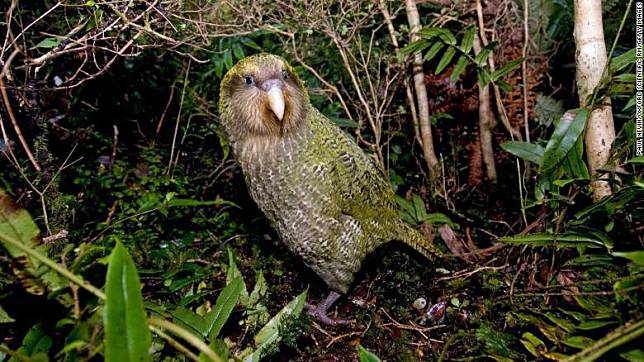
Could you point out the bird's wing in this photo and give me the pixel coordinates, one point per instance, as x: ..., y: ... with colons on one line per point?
x: 360, y: 187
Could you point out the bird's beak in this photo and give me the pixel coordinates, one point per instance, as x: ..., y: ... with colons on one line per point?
x: 276, y: 100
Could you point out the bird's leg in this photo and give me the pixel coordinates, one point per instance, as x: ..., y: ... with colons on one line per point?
x: 319, y: 311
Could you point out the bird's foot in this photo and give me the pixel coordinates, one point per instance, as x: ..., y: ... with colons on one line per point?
x: 319, y: 311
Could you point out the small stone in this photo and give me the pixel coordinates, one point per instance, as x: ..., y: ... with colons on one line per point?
x: 420, y: 303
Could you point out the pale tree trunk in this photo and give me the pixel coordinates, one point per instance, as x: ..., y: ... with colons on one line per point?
x: 591, y: 60
x: 486, y: 123
x: 421, y: 93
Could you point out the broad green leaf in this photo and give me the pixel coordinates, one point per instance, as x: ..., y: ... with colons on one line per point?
x: 35, y: 344
x: 525, y: 150
x: 637, y: 257
x: 269, y: 336
x: 461, y: 63
x: 506, y: 69
x: 228, y: 58
x: 445, y: 60
x: 562, y: 141
x: 468, y: 39
x: 226, y: 301
x: 505, y: 86
x: 560, y: 322
x: 484, y: 76
x: 579, y: 342
x: 250, y: 43
x: 622, y: 61
x: 366, y: 356
x: 48, y: 43
x: 419, y: 207
x: 481, y: 58
x: 127, y: 338
x: 433, y: 51
x: 574, y: 165
x: 416, y: 46
x: 437, y: 218
x: 192, y: 321
x: 533, y: 344
x: 17, y: 224
x: 634, y: 355
x: 238, y: 52
x: 445, y: 35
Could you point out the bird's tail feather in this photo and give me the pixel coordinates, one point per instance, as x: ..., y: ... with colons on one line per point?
x: 417, y: 241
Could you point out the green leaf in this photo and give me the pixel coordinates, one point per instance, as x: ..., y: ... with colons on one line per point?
x: 445, y: 60
x: 445, y: 35
x: 228, y: 59
x: 468, y: 39
x: 433, y: 51
x: 505, y: 86
x: 622, y: 61
x: 637, y: 257
x: 594, y: 324
x: 484, y: 76
x: 226, y: 301
x: 366, y: 356
x: 589, y: 260
x: 481, y: 58
x: 345, y: 122
x: 416, y: 46
x: 545, y: 239
x: 506, y: 69
x: 192, y: 203
x: 419, y: 207
x: 238, y: 52
x: 35, y: 344
x: 127, y: 337
x: 634, y: 355
x: 250, y: 43
x: 193, y: 322
x: 458, y: 68
x: 525, y: 150
x: 533, y: 344
x: 579, y: 342
x: 437, y: 218
x: 574, y: 165
x: 4, y: 317
x: 623, y: 334
x: 269, y: 336
x: 48, y: 43
x: 637, y: 160
x: 563, y: 139
x: 17, y: 224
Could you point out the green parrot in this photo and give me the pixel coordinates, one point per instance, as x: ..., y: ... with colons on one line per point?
x: 329, y: 202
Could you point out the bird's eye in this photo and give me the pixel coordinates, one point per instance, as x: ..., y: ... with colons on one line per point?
x: 250, y: 80
x: 284, y: 74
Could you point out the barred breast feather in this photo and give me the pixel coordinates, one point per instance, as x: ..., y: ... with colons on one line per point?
x: 326, y: 198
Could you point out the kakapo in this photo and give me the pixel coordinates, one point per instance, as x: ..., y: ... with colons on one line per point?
x: 329, y: 202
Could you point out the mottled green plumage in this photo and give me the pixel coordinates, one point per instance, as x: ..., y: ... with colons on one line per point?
x: 327, y: 199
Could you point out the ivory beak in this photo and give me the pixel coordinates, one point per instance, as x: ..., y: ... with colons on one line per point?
x: 276, y: 101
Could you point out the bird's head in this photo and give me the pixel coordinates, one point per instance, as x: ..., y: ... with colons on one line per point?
x: 262, y: 96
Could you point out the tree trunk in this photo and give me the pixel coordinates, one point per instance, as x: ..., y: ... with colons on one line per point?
x: 421, y: 93
x: 486, y: 122
x: 591, y: 60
